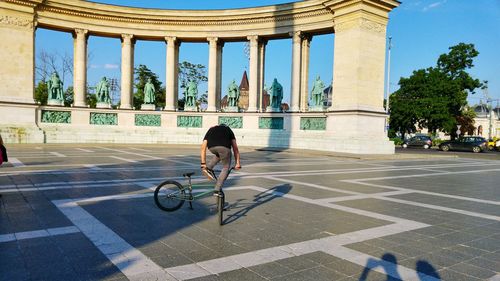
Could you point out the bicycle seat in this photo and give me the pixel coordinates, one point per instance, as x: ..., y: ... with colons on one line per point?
x: 188, y: 175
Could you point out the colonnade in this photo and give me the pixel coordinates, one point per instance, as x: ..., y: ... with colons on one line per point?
x: 299, y: 75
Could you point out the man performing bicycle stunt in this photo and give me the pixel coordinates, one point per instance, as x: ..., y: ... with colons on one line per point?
x: 219, y: 140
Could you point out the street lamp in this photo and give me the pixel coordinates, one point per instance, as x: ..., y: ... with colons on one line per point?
x: 388, y: 84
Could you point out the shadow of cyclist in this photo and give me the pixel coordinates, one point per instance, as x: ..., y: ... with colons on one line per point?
x: 388, y: 262
x: 260, y: 198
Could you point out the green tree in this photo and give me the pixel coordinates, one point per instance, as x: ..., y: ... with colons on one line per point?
x: 435, y: 98
x: 191, y: 72
x: 69, y: 96
x: 41, y: 92
x: 142, y: 73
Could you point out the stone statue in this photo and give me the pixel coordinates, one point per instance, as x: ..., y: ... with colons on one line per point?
x: 233, y: 94
x: 102, y: 91
x: 55, y: 88
x: 317, y: 92
x: 276, y: 94
x: 149, y: 92
x: 191, y: 94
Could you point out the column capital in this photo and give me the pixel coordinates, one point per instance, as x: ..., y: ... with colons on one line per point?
x: 296, y: 36
x: 128, y: 38
x: 170, y: 39
x: 253, y: 38
x: 80, y: 32
x: 212, y: 39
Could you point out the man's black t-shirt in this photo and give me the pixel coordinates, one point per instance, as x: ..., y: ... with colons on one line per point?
x: 219, y: 136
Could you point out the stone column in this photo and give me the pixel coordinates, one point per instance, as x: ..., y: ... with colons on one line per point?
x: 254, y: 73
x: 127, y: 71
x: 218, y: 90
x: 304, y: 75
x: 212, y: 73
x: 171, y: 85
x: 262, y: 61
x: 357, y: 115
x: 17, y: 58
x: 80, y: 67
x: 295, y: 87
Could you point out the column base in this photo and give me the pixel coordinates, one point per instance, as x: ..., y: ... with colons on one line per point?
x: 148, y: 107
x: 125, y: 106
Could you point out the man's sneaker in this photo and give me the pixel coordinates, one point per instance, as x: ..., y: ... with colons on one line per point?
x: 209, y: 173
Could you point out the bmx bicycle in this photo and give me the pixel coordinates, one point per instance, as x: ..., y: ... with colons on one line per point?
x: 170, y: 195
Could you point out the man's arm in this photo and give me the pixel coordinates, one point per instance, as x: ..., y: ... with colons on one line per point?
x: 203, y: 153
x: 236, y: 153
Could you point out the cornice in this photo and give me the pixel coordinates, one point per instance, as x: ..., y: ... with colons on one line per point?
x: 188, y: 20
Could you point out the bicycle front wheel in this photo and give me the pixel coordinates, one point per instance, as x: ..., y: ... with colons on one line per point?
x: 220, y: 208
x: 169, y: 196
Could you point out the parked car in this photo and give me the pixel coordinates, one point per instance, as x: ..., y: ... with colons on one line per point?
x: 494, y: 143
x: 418, y: 141
x: 475, y: 144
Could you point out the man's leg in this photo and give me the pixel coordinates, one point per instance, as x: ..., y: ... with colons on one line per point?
x: 224, y: 154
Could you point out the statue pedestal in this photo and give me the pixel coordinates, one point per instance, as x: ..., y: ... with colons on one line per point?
x: 272, y: 109
x: 231, y: 109
x: 316, y: 108
x: 103, y: 105
x: 190, y: 108
x: 55, y: 102
x: 148, y: 106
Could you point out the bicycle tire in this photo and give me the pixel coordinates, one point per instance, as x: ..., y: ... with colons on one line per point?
x: 161, y: 200
x: 220, y: 208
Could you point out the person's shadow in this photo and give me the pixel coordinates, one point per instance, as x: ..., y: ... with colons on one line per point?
x: 388, y: 261
x: 425, y: 269
x: 260, y: 198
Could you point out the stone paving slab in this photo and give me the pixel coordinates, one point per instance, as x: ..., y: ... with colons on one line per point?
x: 85, y: 212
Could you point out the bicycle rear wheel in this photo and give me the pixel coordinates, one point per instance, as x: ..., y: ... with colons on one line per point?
x: 220, y: 207
x: 169, y: 196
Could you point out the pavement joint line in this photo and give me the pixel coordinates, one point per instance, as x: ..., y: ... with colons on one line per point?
x: 38, y: 233
x: 57, y: 154
x: 133, y: 263
x: 85, y: 150
x: 124, y: 159
x: 425, y: 192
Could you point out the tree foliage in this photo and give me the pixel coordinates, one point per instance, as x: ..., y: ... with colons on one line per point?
x: 435, y: 98
x: 142, y: 73
x: 41, y: 93
x: 191, y: 72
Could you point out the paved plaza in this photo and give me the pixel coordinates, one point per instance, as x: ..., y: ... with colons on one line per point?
x: 86, y: 212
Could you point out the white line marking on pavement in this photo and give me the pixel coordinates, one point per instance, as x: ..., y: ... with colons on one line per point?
x: 85, y: 150
x: 363, y: 196
x: 129, y: 260
x: 136, y: 265
x: 38, y: 233
x: 425, y: 192
x: 495, y: 278
x: 431, y: 174
x: 57, y: 154
x: 139, y: 149
x: 313, y: 185
x: 124, y: 159
x: 92, y: 167
x: 16, y: 162
x: 149, y: 156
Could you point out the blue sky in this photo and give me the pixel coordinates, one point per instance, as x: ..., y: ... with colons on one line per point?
x: 421, y: 30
